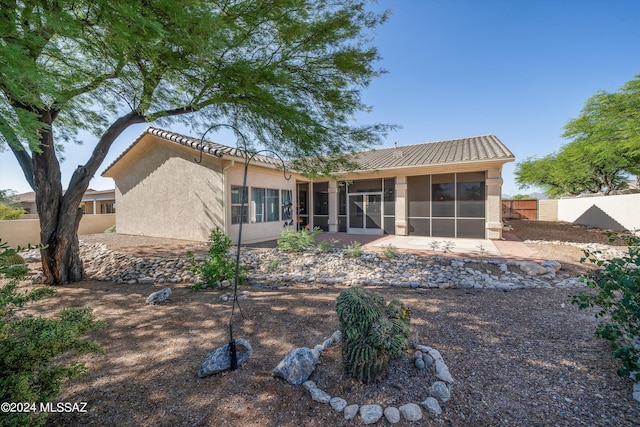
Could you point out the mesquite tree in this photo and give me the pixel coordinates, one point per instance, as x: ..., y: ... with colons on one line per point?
x: 288, y: 73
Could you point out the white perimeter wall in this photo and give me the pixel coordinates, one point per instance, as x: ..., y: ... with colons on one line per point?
x: 597, y: 211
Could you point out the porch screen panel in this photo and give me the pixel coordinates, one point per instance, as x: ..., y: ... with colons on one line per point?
x: 419, y: 226
x: 418, y: 196
x: 366, y: 186
x: 419, y: 205
x: 471, y: 195
x: 443, y: 195
x: 471, y: 228
x: 342, y: 207
x: 321, y: 205
x: 443, y: 227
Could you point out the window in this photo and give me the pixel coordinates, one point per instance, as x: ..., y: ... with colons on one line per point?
x: 108, y: 208
x: 273, y: 205
x: 236, y: 205
x: 265, y: 205
x: 287, y: 207
x: 257, y: 205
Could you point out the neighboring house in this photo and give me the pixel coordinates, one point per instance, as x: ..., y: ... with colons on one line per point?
x: 443, y: 189
x: 93, y: 202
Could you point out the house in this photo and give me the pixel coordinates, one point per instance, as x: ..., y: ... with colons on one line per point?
x: 449, y: 189
x: 93, y: 202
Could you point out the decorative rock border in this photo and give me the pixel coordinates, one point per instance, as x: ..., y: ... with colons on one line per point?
x: 296, y: 369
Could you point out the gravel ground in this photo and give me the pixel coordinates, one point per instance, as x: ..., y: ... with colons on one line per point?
x: 519, y: 358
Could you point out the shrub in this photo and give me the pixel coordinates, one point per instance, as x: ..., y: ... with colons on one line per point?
x: 353, y: 249
x: 217, y: 266
x: 390, y: 251
x: 9, y: 212
x: 111, y: 229
x: 617, y: 296
x: 28, y: 346
x: 297, y: 241
x: 327, y: 245
x: 373, y: 332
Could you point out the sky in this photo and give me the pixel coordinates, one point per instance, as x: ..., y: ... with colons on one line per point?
x: 517, y: 69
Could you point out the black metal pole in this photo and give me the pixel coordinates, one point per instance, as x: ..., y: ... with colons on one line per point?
x: 233, y: 355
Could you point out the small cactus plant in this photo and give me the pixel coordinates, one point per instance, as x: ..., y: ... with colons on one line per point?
x: 12, y: 258
x: 373, y: 332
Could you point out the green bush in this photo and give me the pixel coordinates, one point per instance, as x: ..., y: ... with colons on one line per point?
x: 390, y: 251
x: 327, y: 245
x: 218, y: 266
x: 617, y: 295
x: 373, y: 332
x: 353, y: 249
x: 111, y: 229
x: 28, y: 346
x: 297, y: 241
x: 8, y: 212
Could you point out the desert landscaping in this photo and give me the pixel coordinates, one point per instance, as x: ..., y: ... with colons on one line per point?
x: 518, y: 356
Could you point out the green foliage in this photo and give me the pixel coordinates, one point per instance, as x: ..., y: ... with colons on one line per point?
x: 297, y: 241
x: 8, y: 212
x: 288, y: 74
x: 12, y: 264
x: 327, y: 245
x: 521, y: 197
x: 111, y: 229
x: 8, y: 197
x: 353, y: 249
x: 29, y: 345
x: 390, y: 251
x: 604, y: 148
x: 373, y: 332
x: 217, y: 266
x: 617, y: 297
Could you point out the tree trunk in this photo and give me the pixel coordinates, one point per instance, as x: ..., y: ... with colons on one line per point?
x: 59, y: 211
x: 61, y: 261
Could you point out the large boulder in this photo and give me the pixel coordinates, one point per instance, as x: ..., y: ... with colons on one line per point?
x: 298, y: 365
x: 531, y: 268
x: 220, y: 359
x: 159, y: 296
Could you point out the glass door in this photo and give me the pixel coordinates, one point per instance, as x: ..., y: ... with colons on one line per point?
x: 365, y: 213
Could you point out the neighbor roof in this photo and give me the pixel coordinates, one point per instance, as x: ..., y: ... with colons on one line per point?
x: 472, y: 149
x: 464, y: 150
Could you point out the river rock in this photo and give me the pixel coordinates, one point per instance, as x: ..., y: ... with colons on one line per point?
x: 370, y: 413
x: 411, y: 412
x: 431, y: 404
x: 350, y: 411
x: 392, y: 414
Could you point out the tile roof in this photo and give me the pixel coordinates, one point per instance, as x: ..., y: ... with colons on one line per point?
x: 464, y: 150
x: 212, y: 148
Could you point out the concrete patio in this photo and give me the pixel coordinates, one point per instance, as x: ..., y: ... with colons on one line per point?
x: 508, y: 248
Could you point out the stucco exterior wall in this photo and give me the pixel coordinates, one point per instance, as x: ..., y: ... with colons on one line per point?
x: 493, y: 212
x: 21, y: 232
x: 548, y: 210
x: 609, y: 212
x: 262, y: 178
x: 163, y: 192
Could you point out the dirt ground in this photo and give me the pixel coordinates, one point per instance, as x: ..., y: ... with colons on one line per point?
x: 552, y: 233
x: 519, y: 358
